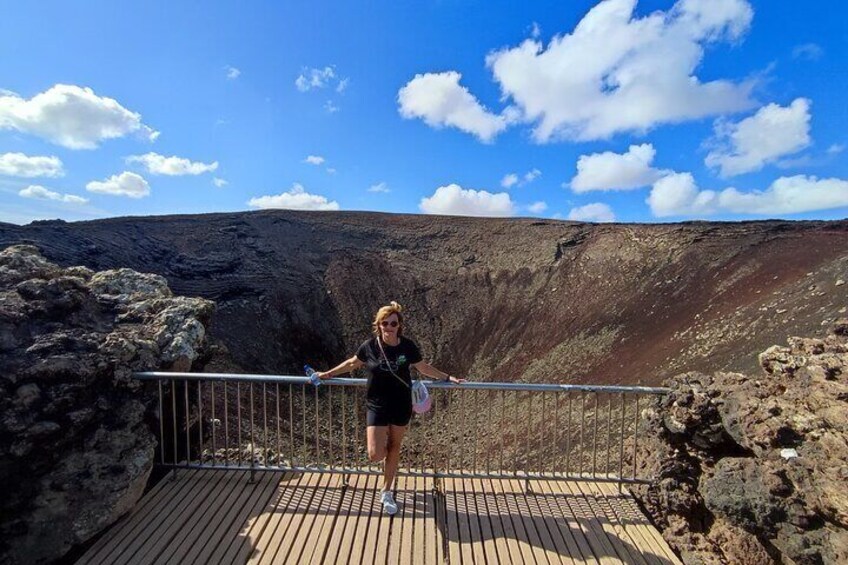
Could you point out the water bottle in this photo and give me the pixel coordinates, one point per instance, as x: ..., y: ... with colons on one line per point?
x: 312, y: 375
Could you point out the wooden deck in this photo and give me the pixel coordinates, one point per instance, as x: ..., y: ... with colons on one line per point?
x: 220, y: 517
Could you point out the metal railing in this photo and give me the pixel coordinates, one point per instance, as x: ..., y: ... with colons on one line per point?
x: 475, y: 429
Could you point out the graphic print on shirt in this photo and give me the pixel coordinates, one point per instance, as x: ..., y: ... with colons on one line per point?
x: 393, y: 365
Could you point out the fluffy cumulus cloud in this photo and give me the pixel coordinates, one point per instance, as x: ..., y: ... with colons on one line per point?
x: 125, y: 184
x: 314, y: 159
x: 538, y: 207
x: 774, y: 131
x: 679, y: 195
x: 616, y: 171
x: 71, y: 116
x: 219, y: 182
x: 295, y: 199
x: 509, y: 180
x: 172, y: 166
x: 453, y: 200
x: 613, y: 73
x: 21, y: 165
x: 595, y: 212
x: 41, y: 193
x: 232, y: 72
x: 439, y: 100
x: 513, y: 179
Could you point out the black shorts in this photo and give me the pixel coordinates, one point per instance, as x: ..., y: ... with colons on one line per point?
x: 396, y: 415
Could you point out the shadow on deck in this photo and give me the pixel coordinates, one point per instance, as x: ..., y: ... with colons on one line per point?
x: 207, y: 516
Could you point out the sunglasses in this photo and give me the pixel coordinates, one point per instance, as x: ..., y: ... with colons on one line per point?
x: 393, y: 324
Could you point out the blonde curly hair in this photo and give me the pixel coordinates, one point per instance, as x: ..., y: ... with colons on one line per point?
x: 385, y: 312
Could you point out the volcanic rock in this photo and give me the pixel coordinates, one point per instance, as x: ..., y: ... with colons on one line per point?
x: 76, y: 435
x: 752, y: 469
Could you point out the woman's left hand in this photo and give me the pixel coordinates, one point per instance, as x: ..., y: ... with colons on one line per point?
x: 452, y: 379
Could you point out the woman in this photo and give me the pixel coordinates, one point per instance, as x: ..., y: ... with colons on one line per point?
x: 388, y: 357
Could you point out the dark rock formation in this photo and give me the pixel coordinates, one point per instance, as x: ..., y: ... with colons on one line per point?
x: 76, y: 439
x: 754, y: 469
x: 497, y: 299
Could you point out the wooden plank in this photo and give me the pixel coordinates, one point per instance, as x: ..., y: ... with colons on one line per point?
x: 452, y: 522
x: 515, y: 488
x: 288, y: 549
x: 484, y: 517
x: 158, y: 535
x: 549, y: 530
x: 286, y: 491
x: 579, y: 507
x: 327, y: 513
x: 513, y: 523
x: 631, y: 518
x: 627, y: 547
x: 419, y: 522
x: 475, y: 534
x: 208, y: 517
x: 372, y: 531
x: 565, y: 524
x: 434, y: 524
x: 576, y: 526
x: 346, y: 517
x: 258, y: 510
x: 353, y: 544
x: 118, y: 542
x: 498, y: 532
x: 138, y: 514
x: 286, y: 509
x: 408, y: 521
x: 386, y: 526
x: 463, y: 518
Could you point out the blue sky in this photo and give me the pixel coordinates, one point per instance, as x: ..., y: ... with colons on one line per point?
x: 614, y: 111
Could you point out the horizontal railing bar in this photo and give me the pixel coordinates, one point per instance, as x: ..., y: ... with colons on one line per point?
x: 411, y: 473
x: 337, y: 381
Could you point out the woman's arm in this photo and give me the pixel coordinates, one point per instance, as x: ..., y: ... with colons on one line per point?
x: 428, y: 370
x: 344, y: 367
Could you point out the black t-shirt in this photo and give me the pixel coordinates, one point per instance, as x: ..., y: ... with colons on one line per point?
x: 384, y: 390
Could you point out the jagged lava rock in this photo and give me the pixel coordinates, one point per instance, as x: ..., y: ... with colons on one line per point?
x: 76, y: 439
x: 754, y: 469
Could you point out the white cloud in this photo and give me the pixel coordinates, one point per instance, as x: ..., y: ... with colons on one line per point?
x: 310, y: 79
x: 538, y: 207
x: 836, y: 149
x: 439, y: 100
x: 41, y: 193
x: 763, y: 138
x: 453, y: 200
x: 314, y: 159
x: 331, y: 171
x: 535, y: 30
x: 330, y: 107
x: 20, y: 165
x: 614, y: 171
x: 509, y: 180
x: 595, y: 212
x: 807, y: 52
x: 232, y: 72
x: 295, y: 199
x: 678, y: 195
x: 512, y: 179
x: 71, y: 116
x: 172, y: 166
x: 125, y: 184
x: 379, y: 187
x: 616, y: 72
x: 219, y: 183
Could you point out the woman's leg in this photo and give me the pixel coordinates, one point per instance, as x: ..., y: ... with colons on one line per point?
x: 395, y: 434
x: 378, y: 437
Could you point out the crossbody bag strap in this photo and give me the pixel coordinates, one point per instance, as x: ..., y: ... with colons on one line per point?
x: 379, y: 343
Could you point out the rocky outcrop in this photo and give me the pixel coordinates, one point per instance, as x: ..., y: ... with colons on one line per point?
x: 754, y: 469
x: 76, y: 435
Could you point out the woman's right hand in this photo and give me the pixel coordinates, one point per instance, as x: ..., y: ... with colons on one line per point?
x: 323, y: 375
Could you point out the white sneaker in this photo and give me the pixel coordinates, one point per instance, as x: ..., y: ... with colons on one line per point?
x: 389, y: 504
